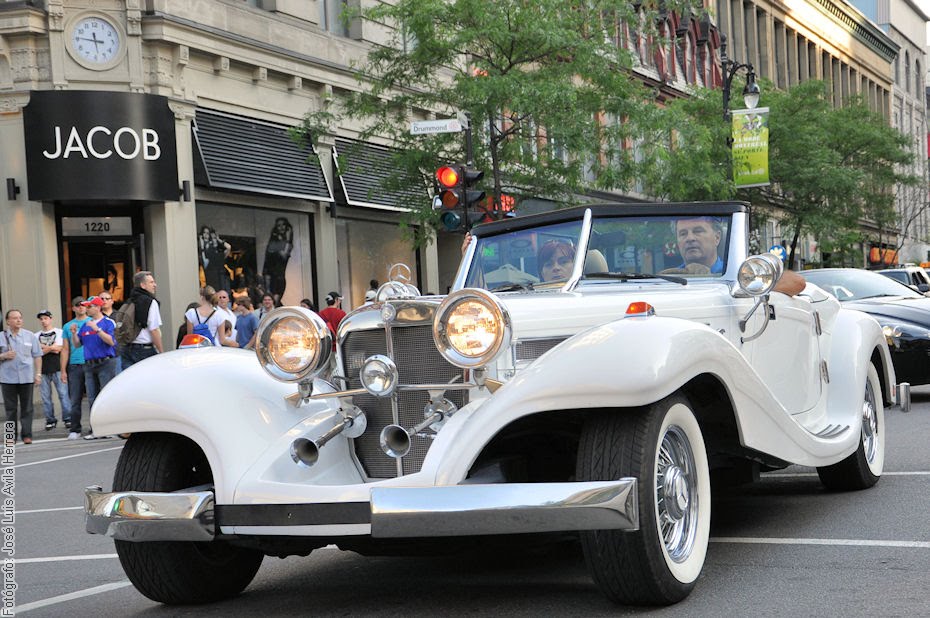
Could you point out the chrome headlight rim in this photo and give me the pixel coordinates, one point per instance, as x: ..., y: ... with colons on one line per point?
x: 902, y: 330
x: 448, y: 306
x: 316, y: 328
x: 769, y: 265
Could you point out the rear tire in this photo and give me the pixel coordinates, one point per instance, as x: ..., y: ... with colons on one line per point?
x: 863, y: 468
x: 177, y: 572
x: 663, y: 448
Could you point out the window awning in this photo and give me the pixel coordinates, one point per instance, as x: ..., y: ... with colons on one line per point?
x: 362, y: 169
x: 232, y: 152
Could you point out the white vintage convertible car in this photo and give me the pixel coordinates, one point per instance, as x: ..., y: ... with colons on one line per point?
x: 591, y: 370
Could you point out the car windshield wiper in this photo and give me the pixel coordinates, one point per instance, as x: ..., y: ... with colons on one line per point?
x: 511, y: 287
x: 877, y: 296
x: 628, y: 276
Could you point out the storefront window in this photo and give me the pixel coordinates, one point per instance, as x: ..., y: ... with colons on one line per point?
x: 366, y: 251
x: 253, y: 251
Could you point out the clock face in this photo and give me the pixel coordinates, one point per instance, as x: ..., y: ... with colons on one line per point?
x: 95, y: 40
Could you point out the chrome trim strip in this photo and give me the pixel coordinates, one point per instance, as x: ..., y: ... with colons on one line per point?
x: 455, y: 386
x: 461, y: 510
x: 581, y: 253
x: 150, y: 516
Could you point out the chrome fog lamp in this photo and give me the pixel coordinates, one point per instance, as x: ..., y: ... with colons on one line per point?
x: 379, y: 375
x: 293, y: 344
x: 471, y: 328
x: 759, y: 273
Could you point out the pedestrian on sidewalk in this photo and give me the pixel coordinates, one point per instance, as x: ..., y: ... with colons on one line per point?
x: 148, y: 319
x: 51, y: 342
x: 72, y: 366
x: 107, y: 311
x: 246, y: 324
x: 20, y: 371
x: 96, y: 337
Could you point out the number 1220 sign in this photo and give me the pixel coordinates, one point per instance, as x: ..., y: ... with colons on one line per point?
x: 96, y: 226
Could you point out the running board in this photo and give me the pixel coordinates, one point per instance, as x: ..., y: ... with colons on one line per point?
x: 832, y: 431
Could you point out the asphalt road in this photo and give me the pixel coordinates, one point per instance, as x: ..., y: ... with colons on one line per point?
x: 780, y: 547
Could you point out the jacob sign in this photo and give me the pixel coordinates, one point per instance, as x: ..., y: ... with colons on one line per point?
x: 100, y: 145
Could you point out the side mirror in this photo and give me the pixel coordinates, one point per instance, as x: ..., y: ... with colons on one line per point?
x: 757, y: 276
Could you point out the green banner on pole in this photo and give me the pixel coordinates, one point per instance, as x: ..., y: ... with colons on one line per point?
x: 751, y: 147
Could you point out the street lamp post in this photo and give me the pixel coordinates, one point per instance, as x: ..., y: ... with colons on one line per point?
x: 730, y: 68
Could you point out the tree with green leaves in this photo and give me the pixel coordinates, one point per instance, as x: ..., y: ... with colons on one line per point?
x: 547, y: 85
x: 831, y: 168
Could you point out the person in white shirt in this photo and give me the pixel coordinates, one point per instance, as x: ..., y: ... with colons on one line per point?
x: 206, y: 313
x: 148, y: 316
x: 222, y: 306
x: 51, y: 342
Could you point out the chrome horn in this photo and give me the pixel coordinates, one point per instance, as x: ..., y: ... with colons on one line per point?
x: 306, y: 452
x: 395, y: 440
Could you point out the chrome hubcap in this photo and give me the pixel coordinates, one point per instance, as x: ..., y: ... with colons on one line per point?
x: 870, y: 435
x: 676, y: 494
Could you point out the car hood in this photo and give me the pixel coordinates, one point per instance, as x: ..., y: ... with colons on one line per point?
x: 916, y: 310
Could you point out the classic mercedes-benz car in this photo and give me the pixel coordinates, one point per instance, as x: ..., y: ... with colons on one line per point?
x: 590, y: 370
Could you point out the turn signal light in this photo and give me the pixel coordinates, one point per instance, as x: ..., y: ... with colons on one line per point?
x: 640, y: 307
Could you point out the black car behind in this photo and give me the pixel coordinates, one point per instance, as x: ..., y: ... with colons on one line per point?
x: 903, y: 314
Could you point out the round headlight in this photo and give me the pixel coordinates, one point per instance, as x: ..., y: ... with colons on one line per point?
x: 759, y: 274
x: 379, y: 375
x: 293, y: 344
x: 471, y: 328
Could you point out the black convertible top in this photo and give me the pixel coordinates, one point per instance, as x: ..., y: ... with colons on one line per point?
x: 671, y: 209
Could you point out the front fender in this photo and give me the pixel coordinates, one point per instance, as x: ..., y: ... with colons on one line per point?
x: 628, y: 363
x: 218, y: 397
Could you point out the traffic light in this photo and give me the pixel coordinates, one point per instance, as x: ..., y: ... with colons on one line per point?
x: 451, y: 179
x: 472, y: 196
x: 458, y: 201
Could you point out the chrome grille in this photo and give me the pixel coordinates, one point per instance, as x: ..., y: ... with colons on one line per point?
x: 531, y: 349
x: 418, y: 362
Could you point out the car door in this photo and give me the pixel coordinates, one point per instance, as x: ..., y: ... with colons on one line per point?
x: 787, y: 356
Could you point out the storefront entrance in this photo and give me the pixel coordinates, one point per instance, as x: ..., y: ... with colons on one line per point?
x: 93, y: 267
x: 98, y: 254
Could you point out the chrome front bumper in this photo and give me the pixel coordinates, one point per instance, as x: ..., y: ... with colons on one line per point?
x: 150, y: 516
x: 395, y: 512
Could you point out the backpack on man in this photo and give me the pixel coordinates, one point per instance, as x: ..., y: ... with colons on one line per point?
x: 126, y: 328
x: 202, y: 327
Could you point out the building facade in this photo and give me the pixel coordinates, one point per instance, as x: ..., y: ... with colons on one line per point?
x: 906, y: 24
x: 792, y: 41
x: 156, y: 135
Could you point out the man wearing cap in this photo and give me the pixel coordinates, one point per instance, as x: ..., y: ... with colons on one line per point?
x: 333, y: 313
x: 20, y: 371
x: 72, y: 366
x: 50, y: 340
x: 96, y: 337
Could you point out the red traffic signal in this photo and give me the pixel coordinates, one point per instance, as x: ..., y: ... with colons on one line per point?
x: 451, y: 185
x: 448, y: 176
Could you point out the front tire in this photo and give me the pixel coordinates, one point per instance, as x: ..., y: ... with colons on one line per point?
x: 177, y: 572
x: 663, y: 448
x: 863, y: 468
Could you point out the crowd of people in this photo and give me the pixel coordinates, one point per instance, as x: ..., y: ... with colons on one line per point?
x: 77, y: 360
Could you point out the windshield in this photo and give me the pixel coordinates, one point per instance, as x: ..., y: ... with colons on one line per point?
x: 629, y: 247
x: 853, y: 284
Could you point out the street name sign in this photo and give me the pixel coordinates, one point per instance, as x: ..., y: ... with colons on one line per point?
x: 426, y: 127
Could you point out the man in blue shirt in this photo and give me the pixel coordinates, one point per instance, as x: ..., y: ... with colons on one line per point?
x: 20, y: 371
x: 698, y: 239
x: 246, y: 323
x: 96, y: 337
x: 72, y: 366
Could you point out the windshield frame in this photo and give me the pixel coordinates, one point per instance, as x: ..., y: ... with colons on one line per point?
x: 733, y: 247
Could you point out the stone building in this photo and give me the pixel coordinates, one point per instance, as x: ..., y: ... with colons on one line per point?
x: 905, y: 23
x: 153, y: 134
x: 791, y: 41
